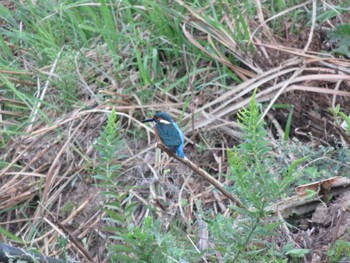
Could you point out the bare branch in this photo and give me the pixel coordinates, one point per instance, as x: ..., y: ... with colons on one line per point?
x: 204, y: 175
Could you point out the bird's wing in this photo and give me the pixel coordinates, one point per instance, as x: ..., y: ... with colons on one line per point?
x: 169, y: 135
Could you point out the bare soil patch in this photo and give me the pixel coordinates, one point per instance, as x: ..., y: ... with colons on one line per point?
x: 321, y: 230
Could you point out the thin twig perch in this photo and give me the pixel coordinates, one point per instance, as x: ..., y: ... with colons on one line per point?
x: 204, y: 175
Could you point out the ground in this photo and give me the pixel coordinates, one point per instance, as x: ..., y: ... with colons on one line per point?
x: 56, y: 163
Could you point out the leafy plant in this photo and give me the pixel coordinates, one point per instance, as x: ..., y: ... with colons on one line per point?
x: 107, y: 145
x: 341, y: 38
x: 108, y: 173
x: 147, y: 242
x: 341, y: 118
x: 340, y: 251
x: 289, y: 118
x: 151, y: 243
x: 293, y: 252
x: 250, y: 164
x: 257, y: 186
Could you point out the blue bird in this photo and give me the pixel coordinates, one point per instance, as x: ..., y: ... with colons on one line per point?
x: 168, y: 132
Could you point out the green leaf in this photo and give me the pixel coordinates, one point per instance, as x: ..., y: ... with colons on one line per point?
x: 340, y: 32
x: 10, y: 235
x: 341, y: 37
x: 297, y: 252
x: 124, y: 248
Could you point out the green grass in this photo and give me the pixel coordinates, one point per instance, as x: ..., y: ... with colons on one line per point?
x: 137, y: 37
x: 65, y: 63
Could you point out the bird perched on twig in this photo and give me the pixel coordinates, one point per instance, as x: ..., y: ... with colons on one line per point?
x: 168, y: 132
x: 172, y: 137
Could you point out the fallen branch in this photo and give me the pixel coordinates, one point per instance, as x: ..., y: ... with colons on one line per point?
x: 304, y: 203
x: 204, y: 175
x: 11, y: 254
x: 75, y: 241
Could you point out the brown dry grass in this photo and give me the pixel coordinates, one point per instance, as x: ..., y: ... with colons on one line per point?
x: 44, y: 164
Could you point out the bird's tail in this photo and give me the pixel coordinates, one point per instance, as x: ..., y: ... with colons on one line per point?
x: 180, y: 152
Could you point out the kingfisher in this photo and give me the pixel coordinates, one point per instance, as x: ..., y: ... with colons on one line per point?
x: 168, y: 132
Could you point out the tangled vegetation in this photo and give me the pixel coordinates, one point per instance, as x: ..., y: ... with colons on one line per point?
x: 260, y: 89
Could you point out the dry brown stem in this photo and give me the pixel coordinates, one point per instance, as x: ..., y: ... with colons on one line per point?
x: 204, y: 175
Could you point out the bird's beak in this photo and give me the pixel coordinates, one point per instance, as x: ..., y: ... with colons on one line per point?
x: 147, y: 120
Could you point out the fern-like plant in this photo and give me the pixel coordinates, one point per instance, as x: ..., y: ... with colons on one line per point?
x: 108, y: 175
x: 251, y: 162
x: 147, y: 242
x: 257, y: 186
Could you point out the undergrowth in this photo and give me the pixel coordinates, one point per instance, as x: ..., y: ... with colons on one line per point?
x: 258, y: 187
x: 62, y: 61
x: 132, y: 242
x: 240, y: 238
